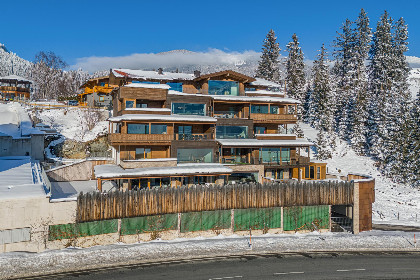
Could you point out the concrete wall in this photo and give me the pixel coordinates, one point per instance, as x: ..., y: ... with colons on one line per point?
x: 32, y: 146
x: 80, y: 171
x: 36, y: 213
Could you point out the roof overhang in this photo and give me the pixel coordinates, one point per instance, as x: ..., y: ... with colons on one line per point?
x: 229, y: 74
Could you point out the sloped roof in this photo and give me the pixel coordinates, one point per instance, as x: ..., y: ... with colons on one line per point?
x: 151, y: 75
x: 14, y: 78
x: 229, y: 73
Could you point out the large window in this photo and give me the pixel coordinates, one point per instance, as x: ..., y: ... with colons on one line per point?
x: 259, y: 109
x: 223, y: 88
x: 231, y: 132
x: 142, y: 153
x: 275, y: 155
x: 195, y: 155
x: 185, y: 129
x: 189, y: 109
x: 159, y: 129
x: 175, y: 86
x: 137, y: 128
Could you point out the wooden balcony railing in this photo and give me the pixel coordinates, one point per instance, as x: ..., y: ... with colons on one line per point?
x: 133, y: 138
x: 256, y: 160
x: 267, y: 118
x: 13, y: 89
x: 194, y: 136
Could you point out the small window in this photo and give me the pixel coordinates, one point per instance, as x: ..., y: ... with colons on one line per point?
x: 129, y: 104
x: 101, y: 98
x: 318, y: 172
x: 306, y: 172
x: 274, y: 109
x: 259, y: 130
x: 312, y: 171
x: 141, y: 105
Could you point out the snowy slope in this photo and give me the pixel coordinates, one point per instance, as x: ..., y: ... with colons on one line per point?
x: 391, y: 199
x: 72, y: 123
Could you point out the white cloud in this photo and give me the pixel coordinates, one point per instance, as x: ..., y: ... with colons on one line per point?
x: 166, y: 60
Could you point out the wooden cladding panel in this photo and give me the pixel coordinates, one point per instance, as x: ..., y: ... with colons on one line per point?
x: 143, y: 93
x: 100, y: 206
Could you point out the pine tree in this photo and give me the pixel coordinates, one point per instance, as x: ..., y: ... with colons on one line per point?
x: 322, y: 150
x: 344, y: 72
x: 297, y: 130
x: 322, y: 93
x: 295, y: 70
x: 380, y: 78
x: 360, y: 113
x: 268, y: 67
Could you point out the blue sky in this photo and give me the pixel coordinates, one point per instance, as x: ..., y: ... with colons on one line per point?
x: 76, y: 29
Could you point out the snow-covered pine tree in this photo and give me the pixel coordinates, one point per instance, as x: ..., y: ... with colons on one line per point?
x: 344, y: 71
x: 322, y: 149
x: 308, y: 106
x: 360, y: 114
x: 380, y: 80
x: 323, y: 102
x: 295, y: 70
x: 399, y: 122
x: 297, y: 130
x: 268, y: 67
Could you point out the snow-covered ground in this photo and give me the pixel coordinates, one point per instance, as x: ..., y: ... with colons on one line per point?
x: 394, y: 203
x: 72, y: 123
x: 19, y: 264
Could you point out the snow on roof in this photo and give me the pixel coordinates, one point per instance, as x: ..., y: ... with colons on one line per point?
x: 255, y: 99
x: 265, y: 92
x: 262, y: 82
x: 15, y: 78
x: 144, y: 85
x: 264, y: 143
x: 17, y: 178
x: 174, y: 92
x: 153, y: 117
x: 274, y: 134
x: 149, y: 109
x: 154, y: 75
x: 108, y: 171
x: 15, y: 121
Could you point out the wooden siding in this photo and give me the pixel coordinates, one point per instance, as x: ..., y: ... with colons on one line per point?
x: 115, y: 138
x: 142, y: 93
x: 273, y: 118
x: 101, y: 206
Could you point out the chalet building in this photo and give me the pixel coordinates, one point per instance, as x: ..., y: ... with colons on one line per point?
x: 14, y: 87
x: 170, y: 129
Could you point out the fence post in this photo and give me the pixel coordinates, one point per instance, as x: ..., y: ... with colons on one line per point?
x: 178, y: 229
x: 232, y: 220
x: 356, y: 222
x: 282, y: 219
x: 119, y: 230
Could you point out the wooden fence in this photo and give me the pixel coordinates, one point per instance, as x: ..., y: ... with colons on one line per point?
x: 102, y: 206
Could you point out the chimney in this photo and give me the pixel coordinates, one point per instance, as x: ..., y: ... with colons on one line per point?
x: 197, y: 73
x: 160, y: 71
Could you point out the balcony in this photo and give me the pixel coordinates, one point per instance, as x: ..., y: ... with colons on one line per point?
x: 256, y: 160
x: 229, y: 115
x: 117, y: 138
x: 272, y: 118
x: 194, y: 137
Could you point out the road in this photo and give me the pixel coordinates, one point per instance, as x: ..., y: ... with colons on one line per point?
x: 271, y: 266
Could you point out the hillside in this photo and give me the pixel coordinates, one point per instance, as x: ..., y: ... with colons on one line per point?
x: 394, y: 203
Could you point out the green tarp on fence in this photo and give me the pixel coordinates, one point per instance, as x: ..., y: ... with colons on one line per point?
x: 68, y: 231
x: 256, y: 218
x: 206, y: 220
x: 149, y: 224
x: 305, y: 217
